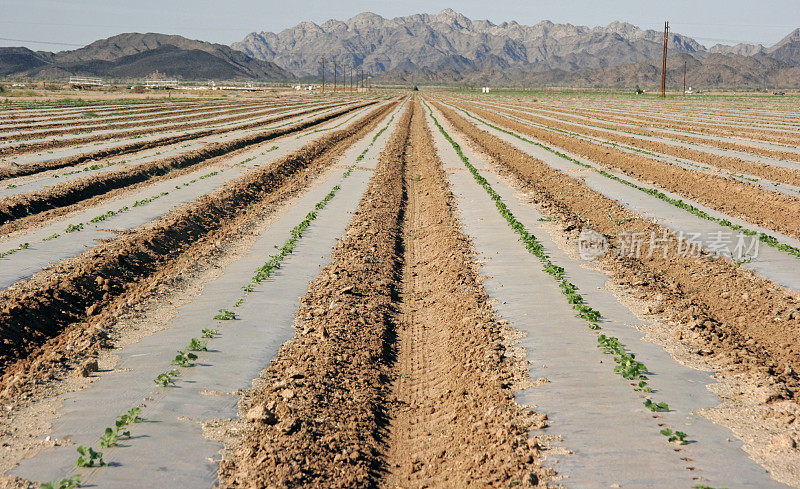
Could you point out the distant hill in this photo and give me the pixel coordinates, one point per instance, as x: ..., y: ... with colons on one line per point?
x: 135, y: 55
x: 450, y: 48
x: 450, y: 41
x: 714, y: 70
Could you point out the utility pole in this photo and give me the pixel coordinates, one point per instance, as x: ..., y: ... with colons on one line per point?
x: 664, y: 62
x: 351, y: 78
x: 684, y: 76
x: 334, y: 76
x: 323, y: 73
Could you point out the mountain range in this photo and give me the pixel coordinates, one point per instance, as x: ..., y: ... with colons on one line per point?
x: 446, y: 48
x: 450, y: 48
x: 135, y: 55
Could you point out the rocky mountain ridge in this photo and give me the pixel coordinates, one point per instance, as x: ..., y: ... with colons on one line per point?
x: 135, y: 55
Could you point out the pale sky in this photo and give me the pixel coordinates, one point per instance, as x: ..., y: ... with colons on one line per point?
x: 55, y: 25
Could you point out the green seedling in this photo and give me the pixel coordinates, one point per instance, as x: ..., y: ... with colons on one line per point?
x: 197, y: 345
x: 167, y: 378
x: 656, y: 406
x: 89, y: 457
x: 677, y: 437
x: 71, y: 483
x: 73, y: 228
x: 132, y: 416
x: 184, y: 359
x: 643, y: 387
x: 111, y: 436
x: 225, y: 315
x: 209, y: 333
x: 703, y: 486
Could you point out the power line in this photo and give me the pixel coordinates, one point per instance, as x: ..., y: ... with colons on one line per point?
x: 42, y: 42
x: 128, y: 27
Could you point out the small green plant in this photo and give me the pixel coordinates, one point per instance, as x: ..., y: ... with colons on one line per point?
x: 197, y: 345
x: 89, y: 457
x: 703, y: 486
x: 111, y: 436
x: 71, y: 483
x: 184, y: 359
x: 209, y: 333
x: 72, y: 228
x: 132, y: 416
x: 167, y: 378
x: 225, y: 315
x: 656, y: 406
x: 678, y: 437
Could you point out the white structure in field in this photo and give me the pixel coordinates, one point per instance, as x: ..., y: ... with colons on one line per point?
x: 485, y: 89
x: 85, y: 81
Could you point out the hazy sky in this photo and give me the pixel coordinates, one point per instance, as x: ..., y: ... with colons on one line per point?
x: 55, y: 25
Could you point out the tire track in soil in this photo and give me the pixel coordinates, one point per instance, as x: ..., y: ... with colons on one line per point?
x: 456, y: 422
x: 327, y: 411
x: 316, y: 416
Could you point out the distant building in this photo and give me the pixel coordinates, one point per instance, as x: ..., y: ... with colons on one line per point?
x: 156, y: 80
x: 85, y: 82
x: 485, y: 89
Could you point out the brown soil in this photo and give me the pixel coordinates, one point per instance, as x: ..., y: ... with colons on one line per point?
x: 721, y: 311
x: 714, y: 129
x: 317, y: 414
x: 69, y: 193
x: 456, y: 422
x: 737, y: 199
x: 61, y: 315
x: 761, y: 170
x: 32, y: 168
x: 335, y: 408
x: 45, y: 145
x: 63, y: 126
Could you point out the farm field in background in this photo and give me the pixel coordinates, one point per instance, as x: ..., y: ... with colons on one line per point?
x: 392, y: 288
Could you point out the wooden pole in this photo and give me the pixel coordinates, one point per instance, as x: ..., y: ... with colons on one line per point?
x: 323, y: 73
x: 684, y: 76
x: 664, y: 61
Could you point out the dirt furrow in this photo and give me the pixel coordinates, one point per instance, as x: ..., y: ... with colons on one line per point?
x: 32, y: 168
x: 316, y: 417
x: 724, y: 318
x: 731, y: 317
x: 86, y: 122
x: 743, y: 200
x: 62, y: 314
x: 396, y: 375
x: 64, y: 143
x: 456, y: 423
x: 69, y: 193
x: 732, y: 163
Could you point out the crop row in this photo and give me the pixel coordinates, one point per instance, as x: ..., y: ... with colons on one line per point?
x: 627, y: 365
x: 763, y: 237
x: 186, y: 357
